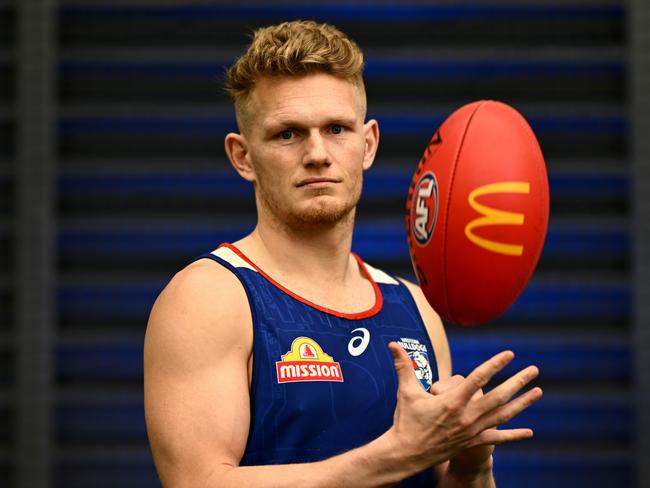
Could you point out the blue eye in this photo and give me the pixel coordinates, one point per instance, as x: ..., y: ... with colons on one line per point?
x: 286, y: 134
x: 337, y: 129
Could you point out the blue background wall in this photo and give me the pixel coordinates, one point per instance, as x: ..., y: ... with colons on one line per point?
x: 141, y: 185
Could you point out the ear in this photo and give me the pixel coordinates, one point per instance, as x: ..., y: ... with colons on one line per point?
x: 237, y: 151
x: 371, y: 135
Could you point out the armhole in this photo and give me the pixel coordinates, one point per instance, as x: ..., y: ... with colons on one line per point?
x: 251, y: 307
x: 422, y: 325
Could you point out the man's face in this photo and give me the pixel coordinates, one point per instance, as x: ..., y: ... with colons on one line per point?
x: 308, y: 147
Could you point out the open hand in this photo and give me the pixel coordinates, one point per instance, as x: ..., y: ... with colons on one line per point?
x: 432, y: 428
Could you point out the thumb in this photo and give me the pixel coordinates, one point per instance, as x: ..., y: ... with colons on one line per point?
x: 404, y: 368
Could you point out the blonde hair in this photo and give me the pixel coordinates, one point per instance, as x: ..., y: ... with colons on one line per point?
x: 294, y: 48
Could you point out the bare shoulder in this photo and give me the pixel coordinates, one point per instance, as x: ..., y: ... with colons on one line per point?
x: 197, y: 346
x: 434, y: 327
x: 201, y: 310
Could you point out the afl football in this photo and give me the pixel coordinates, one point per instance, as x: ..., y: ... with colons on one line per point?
x: 477, y: 212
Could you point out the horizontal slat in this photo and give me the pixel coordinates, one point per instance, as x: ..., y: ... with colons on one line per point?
x: 599, y: 300
x: 183, y: 121
x: 382, y: 67
x: 393, y: 12
x: 381, y: 182
x: 586, y: 122
x: 107, y: 474
x: 99, y: 394
x: 133, y: 453
x: 373, y: 240
x: 126, y: 466
x: 203, y: 183
x: 554, y: 418
x: 576, y: 418
x: 518, y: 74
x: 108, y: 423
x: 100, y: 363
x: 171, y: 138
x: 99, y: 166
x: 561, y: 358
x: 82, y: 56
x: 516, y: 465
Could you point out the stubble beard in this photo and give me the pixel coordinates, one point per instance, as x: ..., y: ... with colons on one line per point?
x: 316, y: 215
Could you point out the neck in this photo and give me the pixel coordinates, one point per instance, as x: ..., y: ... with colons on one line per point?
x: 318, y: 251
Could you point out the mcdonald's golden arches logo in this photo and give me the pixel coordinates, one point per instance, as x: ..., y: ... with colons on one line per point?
x: 492, y: 216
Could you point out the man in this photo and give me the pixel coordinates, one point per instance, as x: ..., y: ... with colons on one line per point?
x: 272, y: 361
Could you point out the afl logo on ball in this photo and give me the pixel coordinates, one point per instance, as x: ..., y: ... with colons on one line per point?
x: 424, y: 208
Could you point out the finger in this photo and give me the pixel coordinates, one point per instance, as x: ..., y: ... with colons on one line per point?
x: 502, y: 414
x: 404, y: 368
x: 494, y: 437
x: 506, y: 390
x: 480, y: 377
x: 446, y: 384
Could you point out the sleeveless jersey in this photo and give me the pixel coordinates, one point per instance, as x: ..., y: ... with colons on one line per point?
x: 323, y: 382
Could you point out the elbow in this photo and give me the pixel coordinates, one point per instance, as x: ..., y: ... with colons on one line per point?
x: 218, y: 476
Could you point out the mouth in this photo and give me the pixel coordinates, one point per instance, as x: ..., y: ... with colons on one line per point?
x: 317, y: 182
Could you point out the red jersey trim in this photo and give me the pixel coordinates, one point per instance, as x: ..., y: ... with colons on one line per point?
x: 379, y: 300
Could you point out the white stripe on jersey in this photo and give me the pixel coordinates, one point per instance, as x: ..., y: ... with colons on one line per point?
x: 231, y: 257
x: 379, y: 276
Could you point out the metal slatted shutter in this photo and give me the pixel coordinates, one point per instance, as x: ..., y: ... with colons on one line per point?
x: 7, y: 154
x: 144, y: 186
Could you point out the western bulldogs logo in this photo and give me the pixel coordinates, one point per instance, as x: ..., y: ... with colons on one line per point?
x: 422, y: 369
x: 420, y: 360
x: 424, y: 208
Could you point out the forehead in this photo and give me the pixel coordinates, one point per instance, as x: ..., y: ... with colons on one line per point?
x: 306, y: 98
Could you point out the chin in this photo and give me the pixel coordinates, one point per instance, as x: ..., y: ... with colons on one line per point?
x: 325, y: 213
x: 326, y: 210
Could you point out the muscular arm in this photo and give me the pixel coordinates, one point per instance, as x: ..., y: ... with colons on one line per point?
x: 197, y: 349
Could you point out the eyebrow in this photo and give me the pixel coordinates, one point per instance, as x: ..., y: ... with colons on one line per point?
x: 280, y: 122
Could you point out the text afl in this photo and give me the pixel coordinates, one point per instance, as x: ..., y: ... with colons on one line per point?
x: 424, y: 209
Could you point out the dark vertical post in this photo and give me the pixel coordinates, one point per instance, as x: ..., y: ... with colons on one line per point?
x: 639, y: 62
x: 34, y: 244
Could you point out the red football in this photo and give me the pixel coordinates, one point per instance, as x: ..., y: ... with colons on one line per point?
x: 477, y: 212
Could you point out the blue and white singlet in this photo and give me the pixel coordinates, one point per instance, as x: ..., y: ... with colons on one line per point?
x: 323, y: 382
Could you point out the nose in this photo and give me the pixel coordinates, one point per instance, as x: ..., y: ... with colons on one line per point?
x: 315, y: 151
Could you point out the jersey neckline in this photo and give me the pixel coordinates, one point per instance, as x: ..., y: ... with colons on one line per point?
x: 351, y: 316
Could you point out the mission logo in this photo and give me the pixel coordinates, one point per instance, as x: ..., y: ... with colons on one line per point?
x: 306, y: 361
